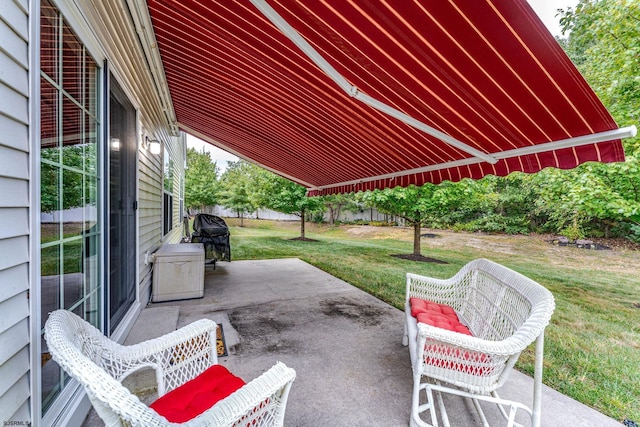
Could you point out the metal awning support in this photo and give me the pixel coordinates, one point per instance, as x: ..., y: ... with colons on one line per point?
x: 594, y: 138
x: 626, y: 132
x: 353, y: 91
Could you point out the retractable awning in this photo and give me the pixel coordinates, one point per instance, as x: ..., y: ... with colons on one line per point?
x: 343, y: 96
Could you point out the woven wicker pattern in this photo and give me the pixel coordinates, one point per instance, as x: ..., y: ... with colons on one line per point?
x: 504, y: 310
x: 99, y: 364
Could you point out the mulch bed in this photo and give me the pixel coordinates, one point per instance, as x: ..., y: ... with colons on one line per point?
x: 304, y: 239
x: 419, y: 258
x: 221, y: 344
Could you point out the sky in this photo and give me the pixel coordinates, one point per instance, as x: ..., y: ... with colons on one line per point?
x: 546, y: 10
x: 221, y: 157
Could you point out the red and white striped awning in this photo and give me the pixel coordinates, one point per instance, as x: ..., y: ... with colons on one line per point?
x: 347, y: 95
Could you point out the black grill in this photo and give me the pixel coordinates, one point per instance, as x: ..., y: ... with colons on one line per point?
x: 213, y: 232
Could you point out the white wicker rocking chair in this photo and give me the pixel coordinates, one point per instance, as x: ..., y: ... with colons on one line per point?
x: 99, y: 364
x: 504, y: 313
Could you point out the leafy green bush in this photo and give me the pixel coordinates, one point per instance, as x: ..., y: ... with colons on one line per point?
x: 572, y: 232
x: 317, y: 217
x: 495, y: 223
x: 634, y: 233
x: 459, y: 227
x: 381, y: 224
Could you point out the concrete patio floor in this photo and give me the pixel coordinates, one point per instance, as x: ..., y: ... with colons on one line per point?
x: 344, y: 344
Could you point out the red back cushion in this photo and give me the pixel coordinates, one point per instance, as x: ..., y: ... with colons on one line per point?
x: 439, y: 315
x: 196, y: 396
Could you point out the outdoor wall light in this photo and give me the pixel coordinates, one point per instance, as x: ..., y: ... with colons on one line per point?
x: 115, y: 144
x: 153, y: 145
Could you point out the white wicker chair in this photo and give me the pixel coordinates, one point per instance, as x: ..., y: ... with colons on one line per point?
x: 503, y: 310
x: 99, y: 364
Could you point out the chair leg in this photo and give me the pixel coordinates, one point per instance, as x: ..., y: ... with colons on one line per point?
x: 480, y: 412
x: 417, y: 409
x: 415, y: 402
x: 443, y: 409
x: 476, y: 398
x: 405, y: 337
x: 511, y: 416
x: 537, y: 382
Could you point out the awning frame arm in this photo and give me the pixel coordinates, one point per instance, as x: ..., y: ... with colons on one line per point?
x: 609, y: 135
x: 353, y: 91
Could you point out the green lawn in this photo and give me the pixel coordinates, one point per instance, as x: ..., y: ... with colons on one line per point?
x: 592, y: 350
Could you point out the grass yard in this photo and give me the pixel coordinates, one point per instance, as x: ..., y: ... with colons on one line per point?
x: 592, y: 350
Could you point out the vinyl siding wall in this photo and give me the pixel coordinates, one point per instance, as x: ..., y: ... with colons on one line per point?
x: 116, y: 35
x: 14, y: 211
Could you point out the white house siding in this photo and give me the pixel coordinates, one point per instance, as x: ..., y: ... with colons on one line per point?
x: 150, y: 207
x: 149, y: 216
x: 117, y: 36
x: 14, y: 211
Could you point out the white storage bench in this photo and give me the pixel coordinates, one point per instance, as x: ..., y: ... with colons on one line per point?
x: 178, y: 272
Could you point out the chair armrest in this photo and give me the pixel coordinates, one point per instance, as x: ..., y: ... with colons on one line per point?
x: 176, y: 357
x: 265, y: 396
x: 507, y: 347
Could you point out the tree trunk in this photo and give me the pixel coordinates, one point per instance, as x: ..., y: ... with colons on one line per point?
x: 302, y: 225
x: 331, y: 221
x: 416, y: 238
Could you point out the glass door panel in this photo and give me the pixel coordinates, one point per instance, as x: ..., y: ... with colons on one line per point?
x: 122, y: 191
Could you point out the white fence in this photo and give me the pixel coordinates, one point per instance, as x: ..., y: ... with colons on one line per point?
x: 345, y: 216
x: 87, y: 214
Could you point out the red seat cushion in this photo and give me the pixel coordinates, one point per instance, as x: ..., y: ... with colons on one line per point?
x: 443, y: 356
x: 196, y: 396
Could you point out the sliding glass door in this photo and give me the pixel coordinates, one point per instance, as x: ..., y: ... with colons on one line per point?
x: 122, y: 204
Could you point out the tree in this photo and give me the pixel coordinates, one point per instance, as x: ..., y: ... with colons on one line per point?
x: 75, y: 159
x: 412, y: 203
x: 201, y: 185
x: 588, y: 194
x: 290, y: 198
x: 456, y: 203
x: 237, y: 187
x: 604, y: 43
x: 259, y: 194
x: 491, y: 204
x: 336, y: 202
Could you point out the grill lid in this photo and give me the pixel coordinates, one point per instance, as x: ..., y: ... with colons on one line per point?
x: 210, y: 225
